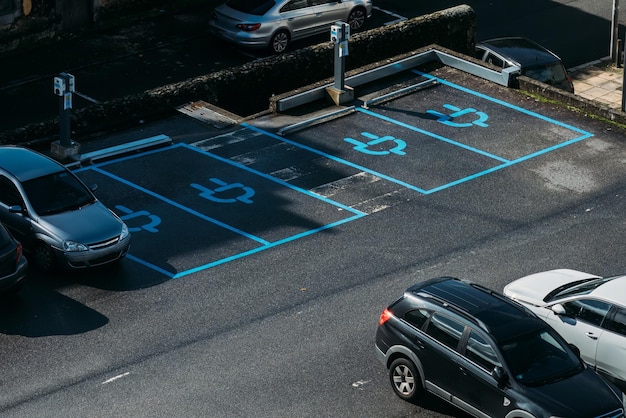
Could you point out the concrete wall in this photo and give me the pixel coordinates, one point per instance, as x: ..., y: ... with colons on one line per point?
x: 584, y: 105
x: 246, y: 89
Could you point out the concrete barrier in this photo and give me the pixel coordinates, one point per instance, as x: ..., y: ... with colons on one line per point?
x: 246, y: 90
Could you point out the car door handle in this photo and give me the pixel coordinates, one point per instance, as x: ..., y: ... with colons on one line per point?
x: 591, y: 335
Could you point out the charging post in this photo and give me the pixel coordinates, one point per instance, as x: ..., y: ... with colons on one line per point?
x: 339, y: 35
x: 64, y: 86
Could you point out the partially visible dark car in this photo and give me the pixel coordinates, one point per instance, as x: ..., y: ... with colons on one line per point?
x: 532, y: 60
x: 13, y: 264
x: 486, y: 355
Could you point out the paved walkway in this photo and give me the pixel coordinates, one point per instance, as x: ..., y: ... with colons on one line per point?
x: 599, y: 81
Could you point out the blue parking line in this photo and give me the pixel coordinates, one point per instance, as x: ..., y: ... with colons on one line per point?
x: 334, y: 158
x: 259, y: 249
x: 99, y: 168
x: 181, y: 207
x: 273, y: 179
x: 585, y: 134
x: 150, y: 265
x: 432, y: 135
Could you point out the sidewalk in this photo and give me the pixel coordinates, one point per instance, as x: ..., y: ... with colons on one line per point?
x: 600, y: 81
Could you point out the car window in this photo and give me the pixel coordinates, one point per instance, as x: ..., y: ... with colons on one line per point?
x: 445, y: 330
x: 294, y: 5
x: 253, y: 7
x: 56, y: 193
x: 417, y: 317
x: 8, y: 193
x: 495, y: 60
x: 582, y: 287
x: 617, y: 323
x: 319, y: 2
x: 539, y: 357
x: 588, y: 310
x: 481, y: 352
x: 549, y: 74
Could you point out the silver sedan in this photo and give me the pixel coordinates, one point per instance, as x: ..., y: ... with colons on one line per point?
x: 274, y: 24
x: 55, y: 216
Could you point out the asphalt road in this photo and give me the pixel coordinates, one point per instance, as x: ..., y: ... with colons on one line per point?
x: 287, y: 329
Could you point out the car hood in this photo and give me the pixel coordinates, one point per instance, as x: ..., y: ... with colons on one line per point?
x: 583, y: 395
x: 534, y: 288
x: 89, y: 224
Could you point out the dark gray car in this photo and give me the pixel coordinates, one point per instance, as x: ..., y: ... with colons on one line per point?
x: 13, y: 265
x: 58, y: 219
x: 531, y: 59
x: 486, y: 355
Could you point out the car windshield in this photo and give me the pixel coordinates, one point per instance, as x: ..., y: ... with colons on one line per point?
x: 252, y: 7
x: 577, y: 288
x: 549, y: 74
x: 539, y: 358
x: 57, y: 192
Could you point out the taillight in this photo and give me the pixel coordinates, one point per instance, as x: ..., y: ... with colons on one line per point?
x: 18, y: 253
x: 248, y: 27
x: 384, y: 317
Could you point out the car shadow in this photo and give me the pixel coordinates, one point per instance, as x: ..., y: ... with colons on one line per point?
x: 37, y: 311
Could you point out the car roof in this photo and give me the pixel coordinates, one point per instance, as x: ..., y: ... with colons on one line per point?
x: 523, y: 51
x: 613, y: 291
x: 496, y: 314
x: 26, y: 164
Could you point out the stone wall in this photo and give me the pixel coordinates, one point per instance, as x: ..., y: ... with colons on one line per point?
x: 246, y: 89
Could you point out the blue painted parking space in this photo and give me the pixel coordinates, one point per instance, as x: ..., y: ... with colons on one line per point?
x: 180, y: 201
x: 436, y: 138
x: 194, y: 207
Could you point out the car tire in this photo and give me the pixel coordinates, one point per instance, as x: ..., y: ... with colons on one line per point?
x: 279, y: 42
x: 405, y: 379
x: 356, y: 19
x: 43, y: 258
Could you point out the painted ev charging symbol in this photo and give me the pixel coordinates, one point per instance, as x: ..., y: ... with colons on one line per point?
x: 375, y: 140
x: 207, y: 193
x: 130, y: 214
x: 457, y: 112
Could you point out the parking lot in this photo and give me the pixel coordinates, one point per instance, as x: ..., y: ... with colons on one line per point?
x: 286, y: 245
x: 251, y: 189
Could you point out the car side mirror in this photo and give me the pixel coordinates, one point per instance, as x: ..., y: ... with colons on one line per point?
x: 558, y: 309
x: 16, y: 209
x: 500, y: 375
x: 575, y: 349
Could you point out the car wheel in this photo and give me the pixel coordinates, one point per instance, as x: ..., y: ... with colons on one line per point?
x: 43, y: 257
x: 356, y: 19
x: 279, y: 42
x: 405, y: 379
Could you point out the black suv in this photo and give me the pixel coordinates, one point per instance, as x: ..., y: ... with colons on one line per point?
x: 487, y: 355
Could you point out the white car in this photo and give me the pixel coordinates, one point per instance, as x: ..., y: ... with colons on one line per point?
x: 587, y: 310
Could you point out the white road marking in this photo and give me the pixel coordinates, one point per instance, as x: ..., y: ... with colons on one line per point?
x: 114, y: 378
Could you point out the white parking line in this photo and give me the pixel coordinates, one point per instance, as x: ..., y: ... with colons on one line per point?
x: 398, y: 18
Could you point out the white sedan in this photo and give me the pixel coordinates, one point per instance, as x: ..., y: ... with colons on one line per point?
x: 587, y: 310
